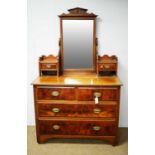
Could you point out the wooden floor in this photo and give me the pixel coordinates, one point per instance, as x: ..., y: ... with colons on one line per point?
x: 77, y: 146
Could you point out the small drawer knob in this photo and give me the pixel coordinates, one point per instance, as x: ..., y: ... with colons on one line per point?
x: 48, y: 65
x: 55, y: 110
x: 55, y: 93
x: 97, y: 110
x: 107, y: 66
x: 56, y: 127
x: 96, y: 128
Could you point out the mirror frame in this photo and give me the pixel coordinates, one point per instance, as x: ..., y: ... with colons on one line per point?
x: 78, y: 14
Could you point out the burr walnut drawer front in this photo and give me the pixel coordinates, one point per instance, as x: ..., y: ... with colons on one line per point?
x: 77, y: 110
x: 55, y: 93
x: 107, y: 67
x: 72, y: 127
x: 103, y: 94
x: 47, y: 66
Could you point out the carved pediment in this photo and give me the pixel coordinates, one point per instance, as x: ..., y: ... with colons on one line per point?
x: 49, y: 58
x: 75, y: 12
x: 78, y: 10
x: 108, y: 59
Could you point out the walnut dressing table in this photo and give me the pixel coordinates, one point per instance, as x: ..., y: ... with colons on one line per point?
x: 79, y: 103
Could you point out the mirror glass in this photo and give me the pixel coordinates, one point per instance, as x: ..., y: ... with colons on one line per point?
x: 78, y: 44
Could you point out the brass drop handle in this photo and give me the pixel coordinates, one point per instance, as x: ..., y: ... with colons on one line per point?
x: 56, y: 127
x: 106, y: 66
x: 55, y: 93
x: 97, y: 110
x: 56, y: 110
x: 48, y: 65
x: 97, y: 95
x: 96, y: 128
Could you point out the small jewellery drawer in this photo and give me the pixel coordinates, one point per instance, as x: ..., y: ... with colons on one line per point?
x: 55, y: 93
x: 107, y: 67
x: 103, y: 94
x: 47, y: 66
x: 77, y: 110
x: 72, y: 127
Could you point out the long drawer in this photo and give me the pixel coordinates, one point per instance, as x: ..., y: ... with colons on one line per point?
x: 55, y: 93
x: 77, y: 110
x: 81, y: 93
x: 104, y: 94
x: 82, y: 127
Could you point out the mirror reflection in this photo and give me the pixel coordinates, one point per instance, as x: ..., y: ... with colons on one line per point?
x: 78, y: 44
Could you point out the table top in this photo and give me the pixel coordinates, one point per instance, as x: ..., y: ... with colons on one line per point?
x: 91, y: 79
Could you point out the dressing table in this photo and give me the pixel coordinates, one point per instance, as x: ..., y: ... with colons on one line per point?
x: 79, y: 102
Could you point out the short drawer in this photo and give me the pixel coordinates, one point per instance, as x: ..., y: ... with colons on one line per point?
x: 105, y: 94
x: 77, y: 110
x: 55, y: 93
x: 107, y: 67
x: 47, y: 66
x: 72, y: 127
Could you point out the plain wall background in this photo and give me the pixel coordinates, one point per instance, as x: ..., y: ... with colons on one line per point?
x: 43, y: 35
